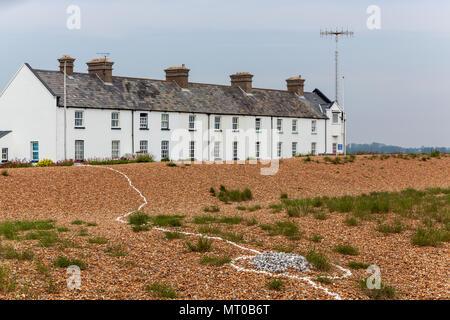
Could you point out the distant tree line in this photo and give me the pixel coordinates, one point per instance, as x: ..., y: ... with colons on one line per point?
x: 354, y: 148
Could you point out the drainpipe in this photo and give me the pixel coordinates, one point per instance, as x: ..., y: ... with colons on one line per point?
x: 65, y: 113
x: 132, y: 132
x: 325, y: 136
x: 271, y: 138
x: 209, y: 137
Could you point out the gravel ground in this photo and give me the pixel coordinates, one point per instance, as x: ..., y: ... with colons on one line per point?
x: 99, y: 196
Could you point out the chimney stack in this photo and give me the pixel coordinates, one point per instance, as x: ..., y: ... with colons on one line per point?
x: 102, y: 67
x: 179, y: 74
x: 296, y: 84
x: 242, y: 80
x: 68, y: 60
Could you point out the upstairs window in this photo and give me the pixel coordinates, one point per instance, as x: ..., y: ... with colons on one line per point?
x: 235, y: 123
x: 217, y: 123
x: 258, y: 124
x: 313, y: 126
x: 115, y: 124
x: 79, y: 123
x: 164, y: 121
x: 143, y: 121
x: 280, y: 125
x: 191, y: 122
x: 294, y: 126
x: 5, y: 155
x: 335, y: 117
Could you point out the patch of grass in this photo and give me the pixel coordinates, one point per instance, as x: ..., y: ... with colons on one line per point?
x: 320, y: 215
x: 205, y: 219
x: 215, y: 261
x: 358, y: 265
x: 231, y: 220
x: 254, y: 208
x: 211, y: 209
x: 171, y: 164
x: 91, y: 224
x: 430, y: 237
x: 351, y: 221
x: 162, y: 290
x: 396, y: 227
x: 234, y: 195
x: 284, y: 196
x: 11, y: 229
x: 203, y: 245
x: 276, y: 208
x: 318, y: 260
x: 5, y: 173
x: 139, y: 228
x: 138, y: 219
x: 173, y: 235
x: 51, y: 287
x: 252, y: 222
x: 324, y: 280
x: 46, y: 238
x: 77, y: 222
x: 385, y: 292
x: 316, y: 238
x: 209, y: 230
x: 9, y: 252
x: 83, y: 232
x: 167, y: 220
x: 42, y: 268
x: 64, y: 262
x: 275, y: 284
x: 98, y: 240
x: 233, y: 237
x: 283, y: 249
x: 7, y: 282
x: 62, y: 229
x: 346, y: 249
x: 285, y: 228
x: 241, y: 208
x: 212, y: 191
x: 116, y: 251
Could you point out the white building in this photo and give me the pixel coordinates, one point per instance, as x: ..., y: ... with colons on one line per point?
x: 109, y: 116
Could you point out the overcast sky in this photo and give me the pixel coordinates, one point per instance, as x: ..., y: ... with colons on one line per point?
x: 397, y: 79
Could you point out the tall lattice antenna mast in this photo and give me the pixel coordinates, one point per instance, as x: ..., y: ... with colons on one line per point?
x: 336, y: 33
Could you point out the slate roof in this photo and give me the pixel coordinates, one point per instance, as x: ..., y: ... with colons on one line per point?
x: 4, y: 133
x: 89, y: 91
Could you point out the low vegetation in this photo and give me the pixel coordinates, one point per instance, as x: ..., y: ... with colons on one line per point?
x: 215, y: 261
x: 318, y: 260
x: 385, y: 292
x: 358, y: 265
x: 285, y: 228
x: 346, y: 249
x: 64, y: 262
x: 203, y: 245
x: 275, y: 284
x: 234, y: 195
x: 162, y: 290
x: 430, y: 237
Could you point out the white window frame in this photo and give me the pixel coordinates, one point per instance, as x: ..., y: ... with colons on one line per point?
x: 235, y: 124
x: 333, y: 115
x: 258, y: 124
x: 79, y: 118
x: 164, y: 149
x: 192, y: 118
x: 258, y: 149
x: 33, y: 152
x: 313, y: 126
x: 192, y: 150
x: 279, y: 149
x: 143, y: 146
x: 334, y: 146
x: 164, y: 121
x: 235, y: 150
x: 143, y: 121
x: 280, y: 125
x: 115, y: 122
x: 217, y: 150
x: 4, y: 154
x: 294, y: 149
x: 79, y: 153
x: 313, y: 148
x: 115, y: 149
x: 217, y: 123
x: 294, y: 126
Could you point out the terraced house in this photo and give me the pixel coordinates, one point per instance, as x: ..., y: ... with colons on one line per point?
x: 45, y: 114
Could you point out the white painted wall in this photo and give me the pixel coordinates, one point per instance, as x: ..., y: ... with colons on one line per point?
x: 335, y: 132
x: 29, y: 110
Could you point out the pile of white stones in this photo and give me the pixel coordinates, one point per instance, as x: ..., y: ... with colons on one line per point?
x: 280, y: 262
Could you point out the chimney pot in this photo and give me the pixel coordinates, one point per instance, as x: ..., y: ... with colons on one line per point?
x: 242, y: 80
x: 68, y: 60
x: 296, y: 84
x: 102, y: 67
x: 179, y: 74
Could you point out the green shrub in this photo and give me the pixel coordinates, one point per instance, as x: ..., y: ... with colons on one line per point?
x: 171, y: 164
x: 318, y: 260
x: 5, y: 173
x: 63, y: 262
x: 430, y: 237
x: 162, y: 290
x: 358, y: 265
x: 275, y: 284
x: 212, y: 191
x: 167, y: 220
x: 173, y: 235
x: 346, y: 249
x: 284, y: 196
x: 203, y: 245
x: 234, y: 195
x: 215, y: 261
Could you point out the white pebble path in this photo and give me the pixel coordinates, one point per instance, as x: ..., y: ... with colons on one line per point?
x: 336, y: 296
